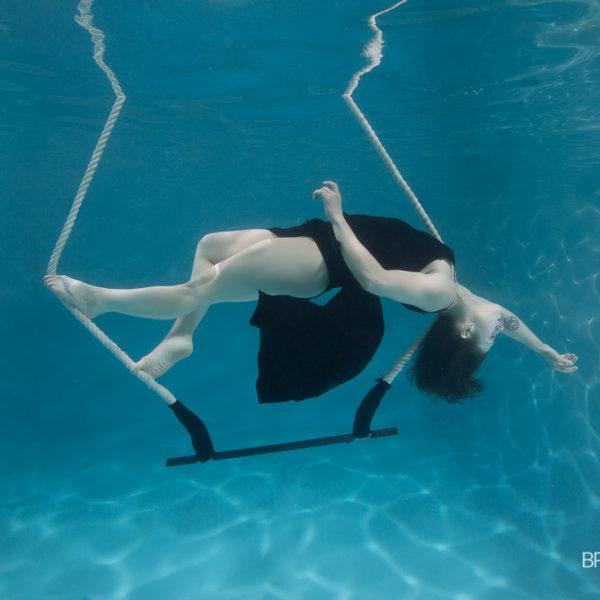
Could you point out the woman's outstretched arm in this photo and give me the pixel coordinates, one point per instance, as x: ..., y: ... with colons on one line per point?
x: 430, y: 292
x: 517, y: 330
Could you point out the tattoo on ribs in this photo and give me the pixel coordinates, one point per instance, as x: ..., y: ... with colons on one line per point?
x: 511, y: 323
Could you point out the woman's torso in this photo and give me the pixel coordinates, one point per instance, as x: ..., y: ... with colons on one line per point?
x: 394, y: 243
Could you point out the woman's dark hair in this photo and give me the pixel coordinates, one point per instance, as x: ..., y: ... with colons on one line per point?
x: 446, y: 362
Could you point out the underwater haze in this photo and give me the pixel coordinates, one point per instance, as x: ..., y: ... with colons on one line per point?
x: 234, y: 115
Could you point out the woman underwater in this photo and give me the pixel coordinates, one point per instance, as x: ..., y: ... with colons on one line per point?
x: 306, y: 348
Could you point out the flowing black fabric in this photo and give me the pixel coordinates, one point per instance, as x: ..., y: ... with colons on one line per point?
x: 307, y: 349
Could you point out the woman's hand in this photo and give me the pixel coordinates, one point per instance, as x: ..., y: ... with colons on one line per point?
x: 565, y: 363
x: 332, y: 200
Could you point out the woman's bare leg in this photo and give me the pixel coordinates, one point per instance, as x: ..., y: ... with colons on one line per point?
x: 290, y: 266
x: 178, y: 343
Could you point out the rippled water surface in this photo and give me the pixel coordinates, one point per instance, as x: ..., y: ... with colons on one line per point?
x: 234, y: 115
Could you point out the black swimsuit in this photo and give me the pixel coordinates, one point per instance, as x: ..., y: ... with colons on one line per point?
x: 307, y: 349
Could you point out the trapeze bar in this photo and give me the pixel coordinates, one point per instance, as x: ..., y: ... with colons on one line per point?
x: 285, y: 447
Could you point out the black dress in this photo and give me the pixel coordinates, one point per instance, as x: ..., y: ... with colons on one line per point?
x: 307, y: 349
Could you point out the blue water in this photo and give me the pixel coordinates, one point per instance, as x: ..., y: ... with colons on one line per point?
x: 234, y: 115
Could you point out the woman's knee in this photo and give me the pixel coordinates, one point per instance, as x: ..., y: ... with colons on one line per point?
x: 211, y: 245
x: 219, y: 246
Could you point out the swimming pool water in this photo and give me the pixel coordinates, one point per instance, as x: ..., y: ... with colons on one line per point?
x: 234, y: 115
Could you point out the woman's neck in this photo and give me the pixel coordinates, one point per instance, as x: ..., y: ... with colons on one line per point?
x: 465, y: 303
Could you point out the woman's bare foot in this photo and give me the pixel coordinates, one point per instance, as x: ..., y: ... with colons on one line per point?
x: 170, y: 351
x: 74, y: 293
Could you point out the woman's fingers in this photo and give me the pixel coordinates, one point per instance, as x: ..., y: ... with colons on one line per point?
x: 321, y: 192
x: 568, y: 359
x: 566, y: 363
x: 329, y: 186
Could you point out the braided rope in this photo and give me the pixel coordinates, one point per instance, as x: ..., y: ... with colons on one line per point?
x: 373, y: 52
x: 404, y: 359
x: 85, y: 20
